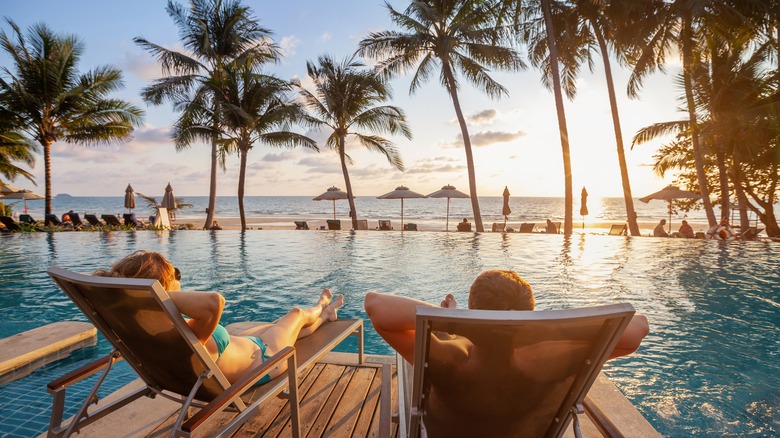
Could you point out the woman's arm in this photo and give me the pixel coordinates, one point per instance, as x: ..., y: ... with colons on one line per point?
x: 204, y: 309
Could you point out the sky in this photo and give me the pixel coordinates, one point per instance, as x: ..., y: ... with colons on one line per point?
x: 515, y: 139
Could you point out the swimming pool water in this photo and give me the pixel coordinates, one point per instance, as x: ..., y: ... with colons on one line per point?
x: 709, y: 366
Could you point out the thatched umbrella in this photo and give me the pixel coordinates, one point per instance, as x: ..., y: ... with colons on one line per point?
x: 668, y: 194
x: 583, y: 205
x: 332, y: 194
x: 401, y: 192
x: 129, y: 199
x: 448, y: 192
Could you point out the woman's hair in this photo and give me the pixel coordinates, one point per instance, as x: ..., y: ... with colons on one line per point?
x: 142, y: 264
x: 501, y: 290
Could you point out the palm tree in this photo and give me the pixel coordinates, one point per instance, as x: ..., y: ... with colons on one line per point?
x: 214, y: 32
x: 48, y: 100
x: 456, y: 37
x: 254, y: 108
x: 15, y: 148
x: 344, y: 99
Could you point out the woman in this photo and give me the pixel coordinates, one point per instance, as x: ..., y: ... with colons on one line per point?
x: 234, y: 354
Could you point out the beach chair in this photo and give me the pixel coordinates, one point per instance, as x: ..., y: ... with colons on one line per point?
x: 111, y: 220
x: 27, y: 219
x: 334, y: 224
x: 301, y: 225
x: 93, y: 220
x: 557, y: 226
x: 749, y: 234
x: 161, y: 219
x: 138, y: 318
x: 76, y: 220
x: 385, y: 226
x: 10, y: 223
x: 410, y: 227
x: 527, y: 227
x: 535, y: 369
x: 131, y: 221
x: 53, y: 220
x: 617, y: 230
x: 362, y: 224
x: 498, y: 227
x: 464, y: 226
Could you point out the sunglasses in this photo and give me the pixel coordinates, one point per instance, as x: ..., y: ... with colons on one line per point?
x: 177, y: 273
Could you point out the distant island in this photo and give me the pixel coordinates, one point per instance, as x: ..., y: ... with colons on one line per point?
x: 63, y: 195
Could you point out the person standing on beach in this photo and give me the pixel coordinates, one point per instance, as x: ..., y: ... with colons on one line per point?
x: 660, y: 229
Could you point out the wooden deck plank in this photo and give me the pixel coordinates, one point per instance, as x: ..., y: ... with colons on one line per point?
x: 370, y: 409
x: 347, y: 412
x: 320, y: 424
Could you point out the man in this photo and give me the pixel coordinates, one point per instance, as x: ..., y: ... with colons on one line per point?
x: 660, y: 230
x: 686, y: 230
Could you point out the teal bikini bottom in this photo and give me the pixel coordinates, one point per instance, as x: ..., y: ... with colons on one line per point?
x: 263, y: 347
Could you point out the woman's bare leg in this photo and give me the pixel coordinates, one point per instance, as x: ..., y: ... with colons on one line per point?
x: 325, y: 298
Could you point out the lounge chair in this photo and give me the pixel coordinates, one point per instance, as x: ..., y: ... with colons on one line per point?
x: 538, y: 368
x: 76, y: 220
x: 111, y: 220
x: 93, y: 220
x: 362, y: 224
x: 749, y: 234
x: 140, y: 321
x: 131, y: 221
x: 334, y: 224
x: 27, y: 219
x: 464, y: 226
x: 410, y: 227
x: 10, y: 224
x: 301, y: 225
x: 498, y: 227
x: 53, y: 220
x: 527, y: 227
x: 385, y: 226
x: 617, y: 230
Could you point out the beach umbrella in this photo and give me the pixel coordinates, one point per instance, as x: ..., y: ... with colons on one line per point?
x: 401, y: 192
x: 4, y: 190
x: 168, y: 200
x: 24, y: 195
x: 583, y: 205
x: 506, y: 211
x: 332, y: 194
x: 129, y: 198
x: 448, y: 192
x: 668, y: 194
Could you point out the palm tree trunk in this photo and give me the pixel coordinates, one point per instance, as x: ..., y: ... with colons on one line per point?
x: 633, y: 226
x: 212, y: 186
x: 698, y: 156
x: 47, y: 172
x: 562, y: 128
x: 464, y: 130
x: 742, y: 201
x: 347, y: 182
x: 241, y: 180
x: 725, y: 193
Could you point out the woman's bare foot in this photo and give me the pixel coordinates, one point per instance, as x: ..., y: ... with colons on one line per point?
x: 331, y: 312
x: 325, y: 296
x: 449, y: 302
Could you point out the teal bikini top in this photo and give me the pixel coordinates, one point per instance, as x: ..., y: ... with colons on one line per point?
x: 222, y: 338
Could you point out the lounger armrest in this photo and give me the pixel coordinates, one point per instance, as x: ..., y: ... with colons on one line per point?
x: 226, y: 397
x: 84, y: 372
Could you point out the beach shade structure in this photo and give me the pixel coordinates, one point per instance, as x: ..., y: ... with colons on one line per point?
x: 26, y: 195
x: 401, y: 192
x: 505, y: 210
x: 129, y: 198
x: 583, y: 205
x: 4, y: 190
x: 668, y: 194
x: 448, y: 192
x: 168, y: 200
x: 332, y: 194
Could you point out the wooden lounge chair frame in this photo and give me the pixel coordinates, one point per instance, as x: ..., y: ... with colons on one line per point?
x: 111, y: 220
x: 301, y: 225
x: 362, y: 224
x: 167, y: 356
x: 385, y: 225
x: 53, y: 220
x: 334, y: 224
x: 498, y: 227
x: 93, y: 220
x: 410, y: 227
x: 617, y: 230
x: 10, y: 223
x: 594, y: 333
x: 526, y: 227
x: 27, y: 219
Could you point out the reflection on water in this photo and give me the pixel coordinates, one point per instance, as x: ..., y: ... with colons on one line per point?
x: 709, y: 365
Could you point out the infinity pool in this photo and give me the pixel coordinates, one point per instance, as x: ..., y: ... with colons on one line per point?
x: 709, y: 367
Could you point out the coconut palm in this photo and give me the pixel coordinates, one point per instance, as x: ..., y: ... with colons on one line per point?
x: 455, y: 37
x: 254, y: 108
x: 214, y: 33
x: 344, y: 100
x: 47, y: 99
x: 15, y: 148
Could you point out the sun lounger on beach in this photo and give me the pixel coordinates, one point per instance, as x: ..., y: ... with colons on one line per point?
x: 301, y: 225
x: 362, y: 224
x: 111, y: 220
x: 130, y: 220
x: 93, y: 220
x: 53, y: 220
x: 498, y: 227
x: 76, y: 220
x: 144, y: 327
x: 410, y: 227
x: 464, y: 226
x: 10, y: 224
x: 27, y: 219
x: 527, y: 227
x: 556, y: 355
x: 385, y: 225
x: 617, y: 230
x: 334, y: 224
x: 750, y: 233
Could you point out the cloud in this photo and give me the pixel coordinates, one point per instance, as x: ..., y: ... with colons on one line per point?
x: 486, y: 138
x: 282, y: 156
x: 481, y: 118
x: 151, y: 134
x: 141, y: 65
x: 436, y: 165
x: 325, y: 37
x: 289, y: 45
